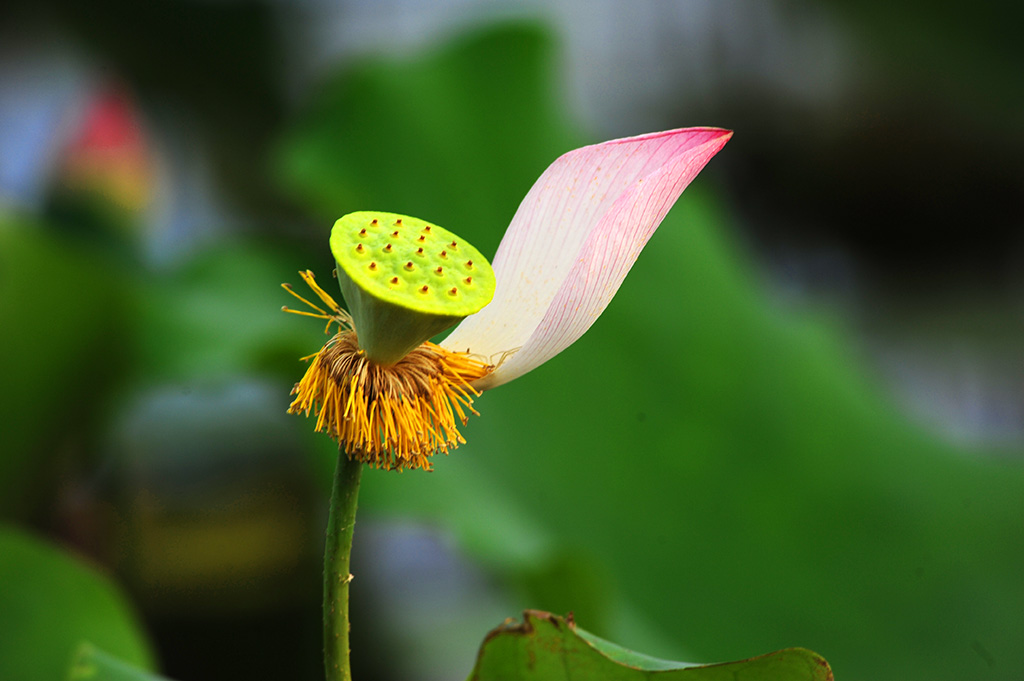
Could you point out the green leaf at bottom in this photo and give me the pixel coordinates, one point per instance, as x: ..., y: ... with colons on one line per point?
x: 50, y: 601
x: 546, y: 647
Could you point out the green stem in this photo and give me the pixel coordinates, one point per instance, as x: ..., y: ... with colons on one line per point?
x: 340, y: 525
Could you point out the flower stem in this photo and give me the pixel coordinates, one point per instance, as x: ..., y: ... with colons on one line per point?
x: 340, y: 525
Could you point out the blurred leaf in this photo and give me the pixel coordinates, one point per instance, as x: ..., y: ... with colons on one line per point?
x: 220, y: 315
x: 729, y: 467
x: 91, y: 664
x: 502, y: 535
x: 63, y: 311
x: 732, y: 462
x: 455, y: 137
x: 546, y: 647
x: 49, y: 603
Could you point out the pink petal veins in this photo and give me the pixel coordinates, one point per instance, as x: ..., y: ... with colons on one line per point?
x: 574, y: 238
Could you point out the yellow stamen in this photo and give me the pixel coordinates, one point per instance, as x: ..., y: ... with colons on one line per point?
x: 338, y: 316
x: 392, y: 417
x: 285, y: 308
x: 289, y: 289
x: 307, y: 277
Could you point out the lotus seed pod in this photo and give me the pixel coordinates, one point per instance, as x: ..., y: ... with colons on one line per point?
x: 405, y: 280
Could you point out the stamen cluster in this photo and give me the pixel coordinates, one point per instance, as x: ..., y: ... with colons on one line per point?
x: 388, y: 416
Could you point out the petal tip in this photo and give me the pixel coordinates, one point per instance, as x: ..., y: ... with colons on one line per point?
x: 723, y: 134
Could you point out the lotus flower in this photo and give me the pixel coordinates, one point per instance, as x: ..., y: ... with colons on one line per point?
x: 390, y: 397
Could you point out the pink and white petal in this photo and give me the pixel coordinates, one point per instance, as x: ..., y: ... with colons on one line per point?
x: 608, y: 253
x: 557, y: 220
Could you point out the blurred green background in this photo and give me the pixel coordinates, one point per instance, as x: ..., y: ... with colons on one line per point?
x: 800, y: 422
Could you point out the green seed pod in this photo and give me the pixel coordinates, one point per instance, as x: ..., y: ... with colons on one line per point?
x: 405, y: 280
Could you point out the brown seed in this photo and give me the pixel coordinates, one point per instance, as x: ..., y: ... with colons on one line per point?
x: 453, y: 291
x: 398, y: 222
x: 422, y: 239
x: 394, y: 280
x: 409, y: 266
x: 419, y: 251
x: 469, y: 264
x: 454, y: 245
x: 387, y: 249
x: 424, y: 289
x: 427, y: 228
x: 373, y: 221
x: 444, y: 254
x: 359, y: 248
x: 362, y: 232
x: 469, y: 280
x: 394, y: 233
x: 439, y: 270
x: 373, y: 265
